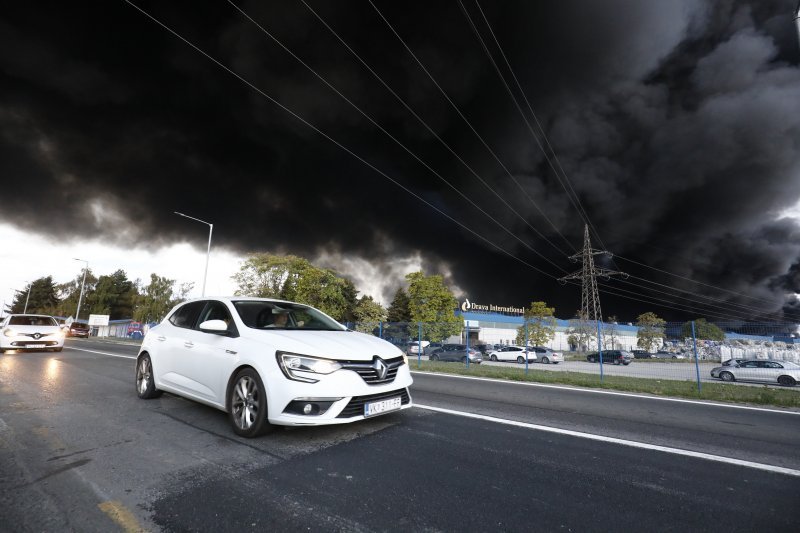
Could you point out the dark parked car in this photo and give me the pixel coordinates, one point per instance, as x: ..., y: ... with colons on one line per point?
x: 78, y: 329
x: 641, y: 354
x: 618, y: 357
x: 456, y: 352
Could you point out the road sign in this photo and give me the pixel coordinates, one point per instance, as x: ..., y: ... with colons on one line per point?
x: 98, y: 320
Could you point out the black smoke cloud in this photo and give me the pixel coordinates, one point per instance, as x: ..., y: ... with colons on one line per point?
x: 677, y: 123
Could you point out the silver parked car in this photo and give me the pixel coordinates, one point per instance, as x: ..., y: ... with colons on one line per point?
x: 781, y: 372
x: 546, y: 355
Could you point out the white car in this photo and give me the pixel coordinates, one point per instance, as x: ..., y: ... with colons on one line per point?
x: 784, y: 373
x: 512, y: 353
x: 31, y: 332
x: 268, y: 362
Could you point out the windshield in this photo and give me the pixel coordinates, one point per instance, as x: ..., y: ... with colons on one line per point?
x: 284, y: 315
x: 25, y: 320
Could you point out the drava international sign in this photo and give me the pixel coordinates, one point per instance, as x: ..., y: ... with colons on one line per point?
x: 466, y: 305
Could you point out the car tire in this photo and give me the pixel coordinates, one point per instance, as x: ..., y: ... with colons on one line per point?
x: 787, y: 381
x: 726, y: 376
x: 493, y: 358
x: 545, y: 361
x: 434, y: 357
x: 464, y: 359
x: 58, y: 349
x: 247, y: 404
x: 145, y: 381
x: 520, y: 360
x: 592, y: 359
x: 617, y: 362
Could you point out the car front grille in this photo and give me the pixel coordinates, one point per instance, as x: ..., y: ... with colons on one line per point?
x: 370, y: 372
x: 356, y: 405
x: 22, y: 344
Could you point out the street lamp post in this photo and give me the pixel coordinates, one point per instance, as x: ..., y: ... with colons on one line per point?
x: 208, y: 252
x: 80, y: 298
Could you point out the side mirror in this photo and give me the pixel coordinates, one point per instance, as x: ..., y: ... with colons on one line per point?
x: 214, y: 326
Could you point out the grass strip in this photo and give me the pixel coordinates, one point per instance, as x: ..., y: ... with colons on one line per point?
x: 720, y: 392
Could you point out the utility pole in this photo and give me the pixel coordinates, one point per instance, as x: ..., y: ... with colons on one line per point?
x: 590, y: 299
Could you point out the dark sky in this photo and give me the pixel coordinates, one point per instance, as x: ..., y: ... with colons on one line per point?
x: 676, y: 125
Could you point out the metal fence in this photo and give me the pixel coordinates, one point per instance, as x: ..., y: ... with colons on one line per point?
x: 683, y: 351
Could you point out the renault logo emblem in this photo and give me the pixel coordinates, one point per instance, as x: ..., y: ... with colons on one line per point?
x: 380, y: 368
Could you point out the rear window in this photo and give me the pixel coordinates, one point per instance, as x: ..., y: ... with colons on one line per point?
x: 78, y: 325
x: 32, y: 321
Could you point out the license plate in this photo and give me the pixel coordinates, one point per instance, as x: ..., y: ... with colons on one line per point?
x: 34, y: 346
x: 383, y: 406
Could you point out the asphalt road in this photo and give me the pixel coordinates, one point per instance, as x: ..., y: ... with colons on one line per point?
x: 80, y: 452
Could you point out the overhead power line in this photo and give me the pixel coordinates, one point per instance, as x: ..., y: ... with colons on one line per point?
x: 334, y: 141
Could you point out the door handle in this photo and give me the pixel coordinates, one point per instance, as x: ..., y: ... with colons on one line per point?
x: 161, y: 338
x: 188, y: 344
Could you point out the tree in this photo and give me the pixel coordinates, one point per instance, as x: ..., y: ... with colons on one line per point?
x: 70, y: 292
x: 114, y: 295
x: 155, y: 300
x: 433, y: 304
x: 541, y: 325
x: 40, y: 296
x: 610, y: 332
x: 288, y: 277
x: 702, y: 330
x: 581, y: 333
x: 368, y: 314
x: 398, y: 309
x: 651, y: 331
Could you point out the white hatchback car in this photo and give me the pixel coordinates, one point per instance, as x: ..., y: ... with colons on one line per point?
x: 270, y: 362
x: 513, y: 353
x: 31, y: 332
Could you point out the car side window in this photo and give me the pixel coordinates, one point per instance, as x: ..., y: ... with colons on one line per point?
x: 186, y: 316
x: 750, y: 364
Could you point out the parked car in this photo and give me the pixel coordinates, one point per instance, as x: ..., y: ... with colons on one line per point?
x: 31, y: 332
x: 641, y: 354
x: 304, y: 369
x: 457, y: 352
x: 513, y: 353
x: 782, y: 372
x: 78, y: 329
x: 412, y: 348
x: 663, y: 354
x: 617, y: 357
x: 546, y: 355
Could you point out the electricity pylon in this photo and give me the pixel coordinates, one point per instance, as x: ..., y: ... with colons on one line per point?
x: 590, y: 299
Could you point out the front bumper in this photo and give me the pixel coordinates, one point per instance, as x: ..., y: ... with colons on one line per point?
x: 24, y: 342
x: 338, y: 398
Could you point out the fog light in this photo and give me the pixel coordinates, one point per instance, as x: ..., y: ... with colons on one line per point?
x: 307, y: 409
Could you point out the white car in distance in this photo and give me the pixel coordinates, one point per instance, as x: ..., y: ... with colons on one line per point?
x: 512, y: 353
x: 31, y: 332
x: 270, y: 362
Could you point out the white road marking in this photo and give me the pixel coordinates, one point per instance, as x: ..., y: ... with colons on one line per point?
x: 612, y: 393
x: 623, y: 442
x: 103, y: 353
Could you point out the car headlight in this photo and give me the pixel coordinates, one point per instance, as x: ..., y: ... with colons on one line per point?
x: 405, y: 359
x: 296, y: 366
x: 8, y: 332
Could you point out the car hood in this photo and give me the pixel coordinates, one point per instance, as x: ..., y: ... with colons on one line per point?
x: 347, y: 345
x: 35, y: 329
